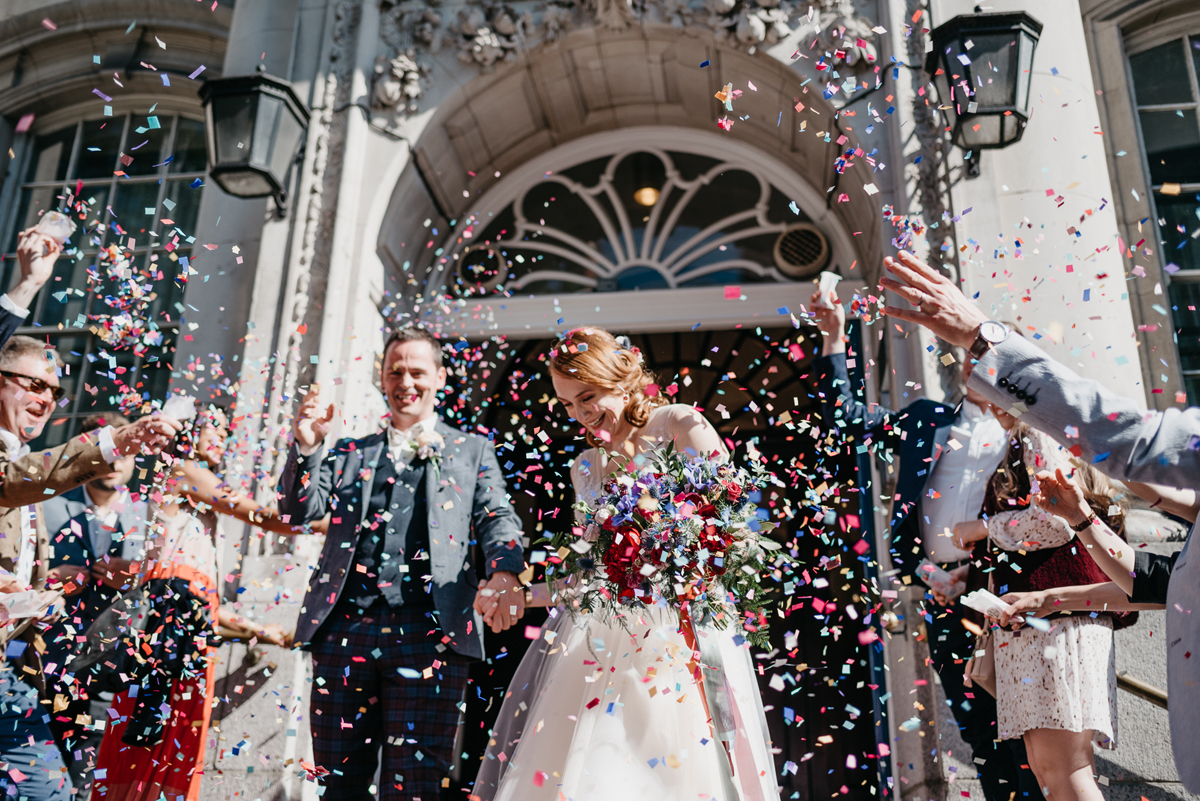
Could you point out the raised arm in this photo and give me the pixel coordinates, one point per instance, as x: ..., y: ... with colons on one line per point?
x: 307, y: 480
x: 37, y: 476
x: 1179, y: 502
x: 202, y: 485
x: 1113, y: 433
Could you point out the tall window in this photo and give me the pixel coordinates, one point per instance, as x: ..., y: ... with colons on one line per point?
x: 140, y: 177
x: 1166, y: 82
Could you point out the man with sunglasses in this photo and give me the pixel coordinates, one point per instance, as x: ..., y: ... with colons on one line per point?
x: 29, y: 388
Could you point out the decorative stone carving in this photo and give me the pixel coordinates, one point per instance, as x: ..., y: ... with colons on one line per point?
x: 491, y: 33
x: 615, y: 15
x: 485, y: 36
x: 557, y: 19
x: 397, y: 83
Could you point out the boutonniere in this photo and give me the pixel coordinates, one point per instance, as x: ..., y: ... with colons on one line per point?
x: 430, y: 445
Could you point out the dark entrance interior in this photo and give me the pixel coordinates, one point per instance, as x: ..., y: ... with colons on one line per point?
x: 819, y: 684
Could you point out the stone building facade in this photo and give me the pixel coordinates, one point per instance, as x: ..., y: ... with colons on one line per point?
x: 674, y: 169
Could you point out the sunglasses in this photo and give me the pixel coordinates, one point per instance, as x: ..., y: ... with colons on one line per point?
x: 35, y: 385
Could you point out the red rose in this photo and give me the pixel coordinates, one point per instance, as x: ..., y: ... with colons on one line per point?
x: 733, y: 491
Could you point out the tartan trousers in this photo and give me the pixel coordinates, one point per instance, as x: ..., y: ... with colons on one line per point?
x: 371, y: 691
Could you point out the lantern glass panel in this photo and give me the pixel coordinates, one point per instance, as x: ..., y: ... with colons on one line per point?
x: 245, y: 183
x: 233, y: 118
x: 980, y: 130
x: 287, y: 140
x: 1023, y: 78
x: 269, y: 108
x: 993, y: 59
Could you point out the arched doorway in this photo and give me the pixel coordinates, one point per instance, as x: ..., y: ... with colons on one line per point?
x: 543, y: 198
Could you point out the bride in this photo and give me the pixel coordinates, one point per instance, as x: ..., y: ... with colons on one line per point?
x: 608, y: 710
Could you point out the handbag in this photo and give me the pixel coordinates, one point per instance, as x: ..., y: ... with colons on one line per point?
x: 981, y: 667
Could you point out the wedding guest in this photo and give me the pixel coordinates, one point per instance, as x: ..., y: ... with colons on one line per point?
x: 937, y: 485
x: 131, y: 765
x: 1057, y: 690
x: 1115, y: 434
x: 29, y: 387
x: 88, y: 527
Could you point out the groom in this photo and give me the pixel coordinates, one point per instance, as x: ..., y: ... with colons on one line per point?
x: 388, y: 615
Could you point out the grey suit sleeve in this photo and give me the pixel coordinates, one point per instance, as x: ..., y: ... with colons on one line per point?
x: 497, y: 527
x: 303, y: 501
x: 1114, y: 434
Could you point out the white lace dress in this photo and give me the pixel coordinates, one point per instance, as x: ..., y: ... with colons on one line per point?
x: 604, y: 712
x: 1065, y: 678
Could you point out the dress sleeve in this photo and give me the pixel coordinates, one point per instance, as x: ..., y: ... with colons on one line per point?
x: 1032, y: 528
x: 1029, y: 529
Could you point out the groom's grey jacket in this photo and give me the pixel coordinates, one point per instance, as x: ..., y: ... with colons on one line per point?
x: 467, y: 502
x: 1127, y: 443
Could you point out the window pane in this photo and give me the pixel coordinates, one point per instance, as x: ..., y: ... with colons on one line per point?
x: 51, y: 156
x: 1172, y: 146
x: 98, y: 151
x: 108, y: 374
x: 190, y: 153
x: 156, y: 368
x: 146, y: 148
x: 60, y: 300
x: 1191, y: 384
x: 1179, y: 212
x: 1185, y: 302
x: 1160, y: 75
x: 181, y: 205
x: 130, y: 208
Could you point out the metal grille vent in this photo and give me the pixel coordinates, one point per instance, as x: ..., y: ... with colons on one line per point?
x: 801, y: 251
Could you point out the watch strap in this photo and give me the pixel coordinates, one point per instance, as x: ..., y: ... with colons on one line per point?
x: 1086, y: 524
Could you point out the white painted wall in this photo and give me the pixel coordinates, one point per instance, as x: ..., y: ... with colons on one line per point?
x: 1060, y: 151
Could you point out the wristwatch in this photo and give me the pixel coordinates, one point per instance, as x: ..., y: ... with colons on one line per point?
x: 991, y: 333
x: 1079, y: 528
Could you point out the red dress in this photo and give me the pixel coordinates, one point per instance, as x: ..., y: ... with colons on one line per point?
x: 175, y: 766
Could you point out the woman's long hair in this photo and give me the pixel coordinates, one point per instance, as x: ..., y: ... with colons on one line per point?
x: 1010, y: 486
x: 594, y: 356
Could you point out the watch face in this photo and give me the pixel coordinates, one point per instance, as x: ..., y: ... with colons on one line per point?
x: 993, y: 332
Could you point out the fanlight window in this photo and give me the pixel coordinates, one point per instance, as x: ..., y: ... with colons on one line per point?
x: 649, y: 219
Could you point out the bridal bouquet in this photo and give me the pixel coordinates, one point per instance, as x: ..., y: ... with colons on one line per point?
x: 679, y: 532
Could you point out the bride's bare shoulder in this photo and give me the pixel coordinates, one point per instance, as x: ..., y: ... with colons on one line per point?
x: 678, y: 416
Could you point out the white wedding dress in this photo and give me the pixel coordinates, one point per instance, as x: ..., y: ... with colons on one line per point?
x: 604, y: 712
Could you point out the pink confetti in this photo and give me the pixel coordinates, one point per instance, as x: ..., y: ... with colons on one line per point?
x: 49, y: 25
x: 201, y: 68
x: 25, y: 123
x: 733, y: 293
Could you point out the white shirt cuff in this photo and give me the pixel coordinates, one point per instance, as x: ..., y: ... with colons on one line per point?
x: 7, y: 304
x: 108, y: 449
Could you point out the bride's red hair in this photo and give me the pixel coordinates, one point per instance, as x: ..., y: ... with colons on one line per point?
x: 594, y: 356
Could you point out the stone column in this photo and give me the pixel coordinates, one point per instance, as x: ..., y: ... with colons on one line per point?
x: 1064, y: 284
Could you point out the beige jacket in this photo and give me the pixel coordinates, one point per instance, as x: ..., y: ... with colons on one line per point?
x: 30, y: 480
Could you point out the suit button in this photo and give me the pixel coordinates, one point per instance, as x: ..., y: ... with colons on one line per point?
x: 1031, y: 400
x: 1021, y: 394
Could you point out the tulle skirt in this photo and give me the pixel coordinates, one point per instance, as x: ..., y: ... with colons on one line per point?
x: 598, y: 712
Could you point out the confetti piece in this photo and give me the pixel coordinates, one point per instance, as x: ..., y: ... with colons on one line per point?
x: 196, y: 72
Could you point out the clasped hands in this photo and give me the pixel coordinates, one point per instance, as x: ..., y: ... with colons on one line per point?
x: 501, y: 601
